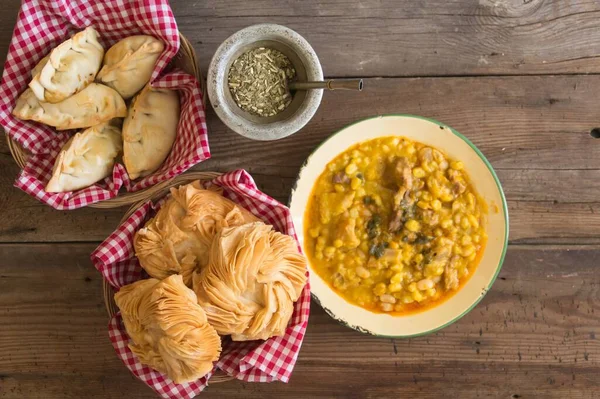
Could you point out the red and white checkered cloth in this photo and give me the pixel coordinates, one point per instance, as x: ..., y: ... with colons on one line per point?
x: 42, y: 25
x: 254, y: 361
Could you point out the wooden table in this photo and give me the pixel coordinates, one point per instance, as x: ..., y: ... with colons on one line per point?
x: 520, y: 78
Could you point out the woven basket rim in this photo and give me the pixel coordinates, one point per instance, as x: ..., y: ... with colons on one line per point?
x: 186, y: 52
x: 108, y: 292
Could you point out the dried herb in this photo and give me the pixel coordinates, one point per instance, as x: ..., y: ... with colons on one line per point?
x: 377, y: 250
x: 367, y: 200
x: 373, y: 225
x: 258, y: 81
x: 423, y: 239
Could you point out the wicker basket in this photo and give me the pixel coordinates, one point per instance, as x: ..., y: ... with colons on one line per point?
x: 187, y: 61
x: 158, y: 191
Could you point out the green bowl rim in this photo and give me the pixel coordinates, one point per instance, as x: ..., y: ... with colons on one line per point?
x: 504, y: 211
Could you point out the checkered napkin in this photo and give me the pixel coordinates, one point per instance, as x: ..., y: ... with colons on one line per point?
x: 253, y: 361
x: 42, y: 25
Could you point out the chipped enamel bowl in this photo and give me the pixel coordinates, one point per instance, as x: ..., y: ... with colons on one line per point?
x: 484, y: 180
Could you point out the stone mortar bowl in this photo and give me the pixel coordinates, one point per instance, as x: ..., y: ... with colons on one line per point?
x: 304, y: 103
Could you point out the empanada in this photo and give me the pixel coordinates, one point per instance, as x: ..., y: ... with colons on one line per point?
x: 93, y: 105
x: 129, y: 63
x: 168, y: 329
x: 69, y: 68
x: 177, y: 240
x: 149, y: 130
x: 86, y: 158
x: 253, y: 277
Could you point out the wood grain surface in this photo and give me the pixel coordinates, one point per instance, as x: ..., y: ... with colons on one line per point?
x: 534, y: 130
x: 533, y: 335
x: 405, y: 37
x: 518, y: 77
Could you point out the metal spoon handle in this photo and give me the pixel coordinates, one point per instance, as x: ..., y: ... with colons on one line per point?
x: 331, y: 84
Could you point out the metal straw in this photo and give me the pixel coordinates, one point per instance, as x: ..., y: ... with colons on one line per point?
x: 331, y: 84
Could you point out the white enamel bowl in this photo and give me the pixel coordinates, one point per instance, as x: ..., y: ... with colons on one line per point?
x: 484, y: 180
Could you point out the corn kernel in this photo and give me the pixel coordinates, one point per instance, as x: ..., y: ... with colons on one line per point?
x: 407, y: 299
x: 456, y: 206
x: 476, y: 238
x: 314, y: 232
x: 457, y: 165
x: 394, y: 245
x: 394, y: 287
x: 351, y: 274
x: 379, y: 289
x: 321, y: 241
x: 351, y: 169
x: 413, y: 225
x: 319, y: 255
x: 436, y: 205
x: 457, y: 219
x: 412, y: 287
x: 423, y: 204
x: 396, y: 278
x: 397, y: 268
x: 471, y: 200
x: 426, y: 196
x: 473, y: 221
x: 339, y: 188
x: 446, y: 197
x: 338, y: 243
x: 360, y: 192
x: 417, y: 296
x: 418, y: 172
x: 427, y: 167
x: 431, y: 292
x: 472, y: 257
x: 355, y: 183
x: 464, y: 223
x: 465, y: 240
x: 329, y: 251
x: 410, y: 149
x: 468, y: 250
x: 418, y: 258
x: 438, y: 232
x: 446, y: 223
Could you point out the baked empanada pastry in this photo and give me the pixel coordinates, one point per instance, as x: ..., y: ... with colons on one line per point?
x: 168, y: 329
x: 177, y: 240
x: 149, y: 130
x: 86, y: 158
x: 93, y: 105
x: 253, y: 277
x: 68, y: 68
x: 129, y: 63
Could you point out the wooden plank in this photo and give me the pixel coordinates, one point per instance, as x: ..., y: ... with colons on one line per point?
x: 533, y: 335
x: 405, y: 37
x: 543, y: 153
x: 408, y: 38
